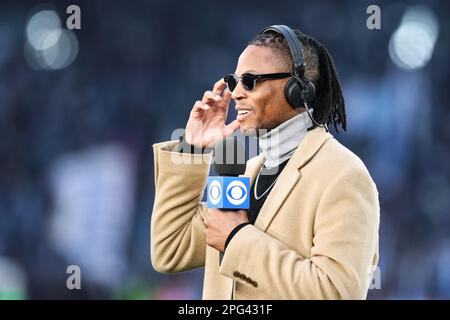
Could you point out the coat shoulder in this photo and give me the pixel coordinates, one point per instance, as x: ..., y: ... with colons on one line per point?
x: 338, y: 158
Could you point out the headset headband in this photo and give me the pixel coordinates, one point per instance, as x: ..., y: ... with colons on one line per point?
x: 294, y: 45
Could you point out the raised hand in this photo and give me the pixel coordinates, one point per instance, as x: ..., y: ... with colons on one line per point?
x: 206, y: 124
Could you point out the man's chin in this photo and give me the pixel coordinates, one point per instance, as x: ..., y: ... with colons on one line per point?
x: 250, y: 132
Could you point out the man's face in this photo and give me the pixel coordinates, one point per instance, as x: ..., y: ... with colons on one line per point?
x: 266, y: 102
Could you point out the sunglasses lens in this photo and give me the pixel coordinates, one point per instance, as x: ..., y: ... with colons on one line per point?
x: 231, y: 82
x: 248, y: 80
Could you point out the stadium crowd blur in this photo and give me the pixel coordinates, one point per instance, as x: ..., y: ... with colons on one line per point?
x: 80, y: 111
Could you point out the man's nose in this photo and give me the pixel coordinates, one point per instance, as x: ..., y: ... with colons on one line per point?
x: 239, y: 92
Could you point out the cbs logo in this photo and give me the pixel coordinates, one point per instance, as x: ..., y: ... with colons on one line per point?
x: 215, y: 192
x: 236, y: 192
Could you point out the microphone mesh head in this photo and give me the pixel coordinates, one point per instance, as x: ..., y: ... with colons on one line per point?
x: 229, y: 157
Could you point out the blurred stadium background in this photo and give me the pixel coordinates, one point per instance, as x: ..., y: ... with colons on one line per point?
x: 79, y: 111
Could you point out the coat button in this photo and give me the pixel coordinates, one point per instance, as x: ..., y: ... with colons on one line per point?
x: 255, y: 284
x: 236, y: 274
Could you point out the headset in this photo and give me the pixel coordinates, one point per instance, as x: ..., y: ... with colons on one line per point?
x: 298, y: 91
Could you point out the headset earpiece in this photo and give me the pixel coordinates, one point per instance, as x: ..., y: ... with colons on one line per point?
x: 293, y: 93
x: 309, y: 93
x: 299, y: 91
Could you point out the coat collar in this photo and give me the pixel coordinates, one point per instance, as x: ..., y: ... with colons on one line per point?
x: 308, y: 147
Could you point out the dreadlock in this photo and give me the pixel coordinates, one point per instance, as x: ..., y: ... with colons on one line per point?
x: 329, y: 105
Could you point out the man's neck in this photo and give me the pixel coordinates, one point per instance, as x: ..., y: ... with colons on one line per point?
x: 280, y: 143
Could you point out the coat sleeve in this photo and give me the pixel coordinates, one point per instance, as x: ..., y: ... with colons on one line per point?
x: 344, y: 253
x: 177, y: 237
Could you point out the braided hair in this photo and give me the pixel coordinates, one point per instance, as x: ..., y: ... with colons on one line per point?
x: 328, y: 104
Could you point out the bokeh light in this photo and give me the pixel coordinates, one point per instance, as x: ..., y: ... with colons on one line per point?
x: 412, y: 44
x: 48, y: 46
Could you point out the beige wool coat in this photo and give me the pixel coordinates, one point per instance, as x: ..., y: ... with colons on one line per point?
x: 316, y: 236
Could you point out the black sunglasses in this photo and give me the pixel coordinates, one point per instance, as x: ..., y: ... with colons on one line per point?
x: 249, y: 80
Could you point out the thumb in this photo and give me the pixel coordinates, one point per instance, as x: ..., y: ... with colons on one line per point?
x: 231, y: 128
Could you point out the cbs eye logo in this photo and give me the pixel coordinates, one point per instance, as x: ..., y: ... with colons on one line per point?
x: 236, y: 192
x: 215, y: 192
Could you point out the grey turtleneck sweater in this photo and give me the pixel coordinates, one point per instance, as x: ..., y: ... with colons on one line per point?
x: 280, y: 143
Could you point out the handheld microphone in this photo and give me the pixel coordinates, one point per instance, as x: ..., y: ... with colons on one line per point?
x: 227, y: 190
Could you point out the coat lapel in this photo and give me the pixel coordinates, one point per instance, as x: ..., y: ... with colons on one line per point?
x: 253, y: 166
x: 288, y: 177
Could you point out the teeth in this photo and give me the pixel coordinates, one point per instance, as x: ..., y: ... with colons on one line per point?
x: 240, y: 112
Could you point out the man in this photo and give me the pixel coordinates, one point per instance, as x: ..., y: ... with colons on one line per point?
x: 312, y: 228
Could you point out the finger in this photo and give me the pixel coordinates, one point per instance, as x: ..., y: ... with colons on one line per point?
x: 226, y: 97
x: 214, y: 211
x: 243, y: 212
x: 209, y: 96
x: 200, y: 105
x: 219, y: 86
x: 231, y: 128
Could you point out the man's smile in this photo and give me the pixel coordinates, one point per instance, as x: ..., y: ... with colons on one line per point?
x: 243, y: 114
